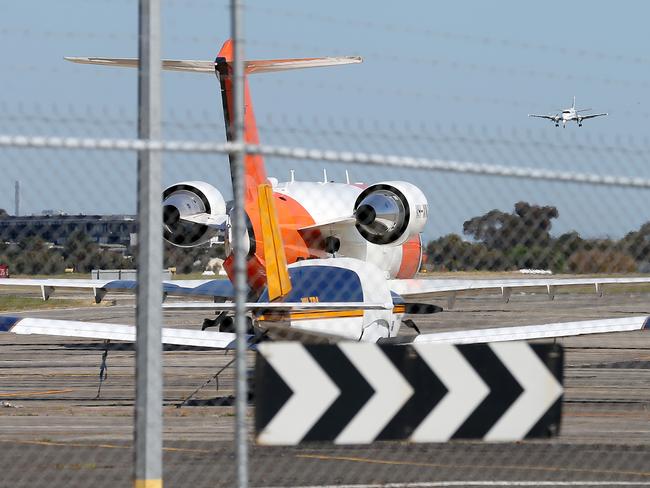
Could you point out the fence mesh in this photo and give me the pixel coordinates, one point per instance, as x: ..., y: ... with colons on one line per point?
x: 438, y: 103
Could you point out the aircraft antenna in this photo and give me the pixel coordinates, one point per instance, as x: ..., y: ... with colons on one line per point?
x: 347, y: 177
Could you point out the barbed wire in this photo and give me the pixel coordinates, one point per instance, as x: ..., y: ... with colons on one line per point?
x: 38, y: 142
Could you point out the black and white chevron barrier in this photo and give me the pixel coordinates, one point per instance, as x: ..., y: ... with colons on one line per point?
x: 357, y: 393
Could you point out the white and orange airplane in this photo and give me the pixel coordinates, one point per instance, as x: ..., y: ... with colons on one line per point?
x: 326, y: 261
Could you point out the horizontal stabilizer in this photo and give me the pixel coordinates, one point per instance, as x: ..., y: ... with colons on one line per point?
x: 271, y: 65
x: 196, y: 66
x: 167, y: 64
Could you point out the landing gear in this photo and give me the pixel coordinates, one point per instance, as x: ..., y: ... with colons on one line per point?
x: 226, y: 323
x: 103, y: 369
x: 215, y: 322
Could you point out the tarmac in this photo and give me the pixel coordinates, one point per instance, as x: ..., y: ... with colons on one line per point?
x: 55, y: 432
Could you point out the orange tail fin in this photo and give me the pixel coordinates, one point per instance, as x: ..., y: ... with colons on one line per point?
x: 254, y: 170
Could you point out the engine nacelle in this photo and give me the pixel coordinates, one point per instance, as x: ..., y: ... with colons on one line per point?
x: 186, y: 199
x: 389, y: 213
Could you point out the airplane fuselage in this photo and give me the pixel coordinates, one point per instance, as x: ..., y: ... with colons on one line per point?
x: 325, y: 208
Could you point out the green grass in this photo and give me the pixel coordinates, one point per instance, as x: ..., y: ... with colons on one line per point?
x: 13, y: 303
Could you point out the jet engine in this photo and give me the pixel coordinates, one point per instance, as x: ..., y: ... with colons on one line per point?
x: 389, y: 213
x: 193, y: 213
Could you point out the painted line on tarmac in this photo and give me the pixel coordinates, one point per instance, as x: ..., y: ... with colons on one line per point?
x: 433, y: 484
x: 552, y: 469
x: 639, y: 415
x: 66, y: 309
x: 34, y: 393
x: 102, y: 446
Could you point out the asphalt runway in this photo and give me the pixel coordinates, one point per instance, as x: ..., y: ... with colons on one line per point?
x: 54, y: 432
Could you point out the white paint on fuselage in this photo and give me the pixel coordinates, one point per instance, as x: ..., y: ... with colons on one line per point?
x: 568, y: 115
x: 327, y: 202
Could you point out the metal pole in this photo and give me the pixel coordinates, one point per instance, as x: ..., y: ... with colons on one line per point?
x: 148, y: 346
x: 237, y: 171
x: 17, y: 199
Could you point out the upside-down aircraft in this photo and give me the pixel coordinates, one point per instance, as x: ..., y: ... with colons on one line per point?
x: 325, y: 261
x: 569, y: 114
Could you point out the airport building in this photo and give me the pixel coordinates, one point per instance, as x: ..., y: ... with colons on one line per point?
x: 57, y: 227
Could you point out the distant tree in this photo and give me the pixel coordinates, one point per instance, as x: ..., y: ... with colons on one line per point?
x: 452, y: 253
x: 637, y: 243
x: 33, y: 244
x: 529, y: 225
x: 3, y: 214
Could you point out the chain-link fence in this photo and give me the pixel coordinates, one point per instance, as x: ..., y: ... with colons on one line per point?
x: 433, y: 125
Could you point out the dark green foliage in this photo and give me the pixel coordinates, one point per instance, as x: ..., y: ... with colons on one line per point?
x: 521, y: 239
x: 33, y: 255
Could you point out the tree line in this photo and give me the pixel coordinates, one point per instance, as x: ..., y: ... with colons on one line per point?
x: 501, y: 241
x: 33, y: 255
x: 495, y: 241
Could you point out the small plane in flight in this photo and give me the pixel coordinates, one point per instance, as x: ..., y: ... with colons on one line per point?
x: 569, y: 114
x: 325, y: 261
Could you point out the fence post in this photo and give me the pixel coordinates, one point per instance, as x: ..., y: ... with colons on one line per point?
x: 148, y: 346
x: 237, y: 171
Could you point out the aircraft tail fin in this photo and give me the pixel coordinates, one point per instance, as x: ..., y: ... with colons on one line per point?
x: 574, y: 102
x: 254, y: 170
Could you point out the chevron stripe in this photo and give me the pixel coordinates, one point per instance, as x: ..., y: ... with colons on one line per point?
x: 356, y: 393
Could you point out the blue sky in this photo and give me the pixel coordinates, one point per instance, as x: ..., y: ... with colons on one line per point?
x: 450, y: 80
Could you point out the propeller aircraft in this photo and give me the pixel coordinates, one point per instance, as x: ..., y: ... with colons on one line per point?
x: 569, y: 114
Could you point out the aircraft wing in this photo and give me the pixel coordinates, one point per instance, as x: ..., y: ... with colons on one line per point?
x: 210, y: 288
x: 591, y: 116
x: 117, y: 332
x: 226, y: 340
x: 549, y: 117
x: 429, y: 288
x: 527, y: 332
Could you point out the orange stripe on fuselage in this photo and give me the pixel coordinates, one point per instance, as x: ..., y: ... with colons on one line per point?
x: 324, y: 314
